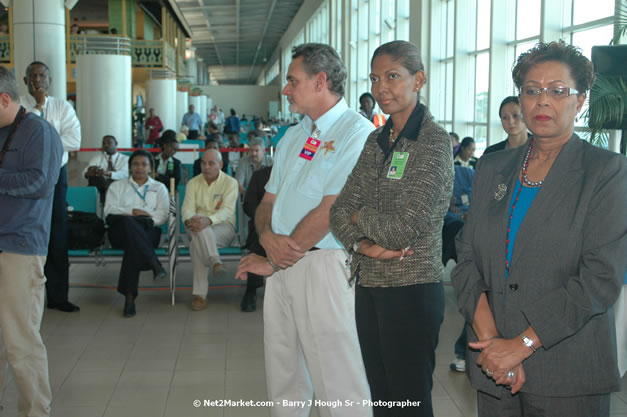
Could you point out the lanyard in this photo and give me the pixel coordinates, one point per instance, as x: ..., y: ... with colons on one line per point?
x: 143, y: 197
x: 18, y: 118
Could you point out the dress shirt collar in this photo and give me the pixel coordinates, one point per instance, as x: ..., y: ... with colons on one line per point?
x: 324, y: 122
x: 132, y: 181
x: 31, y: 102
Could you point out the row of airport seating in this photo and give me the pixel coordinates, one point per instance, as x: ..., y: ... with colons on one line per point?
x: 86, y: 199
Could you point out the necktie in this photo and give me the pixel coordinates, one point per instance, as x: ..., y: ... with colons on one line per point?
x: 110, y: 164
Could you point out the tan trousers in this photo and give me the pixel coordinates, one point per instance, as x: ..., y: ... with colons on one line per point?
x: 22, y: 291
x: 204, y: 252
x: 310, y: 340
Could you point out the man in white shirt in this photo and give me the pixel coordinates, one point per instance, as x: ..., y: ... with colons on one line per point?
x: 106, y: 167
x: 209, y: 216
x: 62, y: 116
x: 256, y: 159
x: 310, y: 336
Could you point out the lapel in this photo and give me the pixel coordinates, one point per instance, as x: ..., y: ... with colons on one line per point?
x: 565, y: 174
x: 498, y: 210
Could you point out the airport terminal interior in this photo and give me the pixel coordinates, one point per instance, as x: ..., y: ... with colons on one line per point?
x: 115, y: 60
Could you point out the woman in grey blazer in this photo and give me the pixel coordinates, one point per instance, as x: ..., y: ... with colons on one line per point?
x: 389, y: 216
x: 542, y: 254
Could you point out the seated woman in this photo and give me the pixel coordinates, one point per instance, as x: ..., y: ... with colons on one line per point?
x: 134, y: 209
x: 465, y: 156
x: 166, y: 165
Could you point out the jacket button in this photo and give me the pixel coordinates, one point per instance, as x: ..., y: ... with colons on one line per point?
x: 513, y: 287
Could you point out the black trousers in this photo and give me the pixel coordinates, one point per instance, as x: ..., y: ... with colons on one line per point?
x: 192, y: 134
x: 57, y: 264
x: 398, y: 330
x: 139, y: 254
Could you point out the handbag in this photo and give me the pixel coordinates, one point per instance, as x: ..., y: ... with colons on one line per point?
x: 85, y: 230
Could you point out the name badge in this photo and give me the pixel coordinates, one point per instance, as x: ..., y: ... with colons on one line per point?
x: 310, y: 149
x: 397, y: 166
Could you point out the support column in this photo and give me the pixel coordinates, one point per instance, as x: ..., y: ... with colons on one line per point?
x: 39, y: 35
x: 161, y: 96
x: 103, y: 94
x: 202, y: 109
x: 181, y: 107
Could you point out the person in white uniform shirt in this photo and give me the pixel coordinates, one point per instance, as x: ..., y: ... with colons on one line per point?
x: 62, y: 116
x: 134, y: 209
x: 209, y: 216
x: 106, y: 167
x: 310, y: 337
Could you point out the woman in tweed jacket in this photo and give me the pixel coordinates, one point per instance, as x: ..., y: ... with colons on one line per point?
x: 389, y: 217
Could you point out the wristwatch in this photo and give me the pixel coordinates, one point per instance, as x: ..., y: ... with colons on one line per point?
x: 528, y: 342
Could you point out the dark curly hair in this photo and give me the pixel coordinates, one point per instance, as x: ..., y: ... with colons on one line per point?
x: 581, y: 68
x: 144, y: 153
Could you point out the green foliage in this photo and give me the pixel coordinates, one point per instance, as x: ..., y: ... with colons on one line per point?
x: 608, y: 98
x: 620, y: 23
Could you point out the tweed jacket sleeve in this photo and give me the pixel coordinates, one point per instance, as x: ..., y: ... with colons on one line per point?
x: 350, y: 198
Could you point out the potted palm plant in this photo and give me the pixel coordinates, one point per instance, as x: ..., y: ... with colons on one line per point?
x: 608, y: 96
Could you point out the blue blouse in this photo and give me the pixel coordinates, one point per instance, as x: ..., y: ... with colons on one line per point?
x: 526, y: 197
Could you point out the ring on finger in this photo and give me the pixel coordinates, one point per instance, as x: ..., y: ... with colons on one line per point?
x: 488, y: 372
x: 511, y: 374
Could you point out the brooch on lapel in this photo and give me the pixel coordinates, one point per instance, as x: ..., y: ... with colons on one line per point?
x: 328, y: 146
x: 500, y: 192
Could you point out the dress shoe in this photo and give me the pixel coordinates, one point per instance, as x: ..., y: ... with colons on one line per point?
x: 129, y: 307
x: 159, y: 273
x: 66, y: 307
x: 249, y: 302
x: 219, y: 270
x: 199, y: 303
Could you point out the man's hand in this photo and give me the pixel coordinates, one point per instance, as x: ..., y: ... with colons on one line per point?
x: 281, y: 249
x: 40, y: 96
x: 197, y: 223
x: 372, y: 250
x: 499, y: 355
x: 140, y: 212
x: 255, y: 264
x: 92, y: 171
x: 242, y: 190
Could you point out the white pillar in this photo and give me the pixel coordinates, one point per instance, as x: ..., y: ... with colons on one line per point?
x: 161, y: 96
x: 203, y: 109
x: 39, y: 34
x: 181, y: 107
x: 209, y: 104
x: 103, y: 97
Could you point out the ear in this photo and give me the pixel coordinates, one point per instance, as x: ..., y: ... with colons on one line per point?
x: 581, y: 98
x: 26, y: 81
x: 320, y: 81
x: 419, y: 80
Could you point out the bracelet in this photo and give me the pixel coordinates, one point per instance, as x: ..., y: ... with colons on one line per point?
x: 273, y: 265
x: 528, y: 342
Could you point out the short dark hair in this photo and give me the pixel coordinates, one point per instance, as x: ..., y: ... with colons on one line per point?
x: 317, y: 58
x: 466, y: 142
x: 169, y: 136
x: 581, y: 68
x: 110, y: 136
x: 402, y: 51
x: 368, y: 95
x: 455, y: 135
x: 8, y: 84
x: 507, y: 100
x: 233, y: 112
x: 142, y: 152
x: 36, y: 63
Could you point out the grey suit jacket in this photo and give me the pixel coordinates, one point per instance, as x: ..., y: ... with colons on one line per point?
x: 568, y: 263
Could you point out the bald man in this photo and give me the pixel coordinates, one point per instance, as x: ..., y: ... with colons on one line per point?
x: 209, y: 215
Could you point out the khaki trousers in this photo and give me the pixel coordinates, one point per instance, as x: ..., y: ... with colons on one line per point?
x: 310, y: 340
x: 22, y: 288
x: 204, y: 252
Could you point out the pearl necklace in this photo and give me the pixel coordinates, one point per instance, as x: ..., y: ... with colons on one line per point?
x: 392, y: 138
x: 525, y: 165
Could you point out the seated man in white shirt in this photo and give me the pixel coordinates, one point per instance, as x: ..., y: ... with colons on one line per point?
x: 106, y: 167
x: 209, y: 216
x: 255, y: 160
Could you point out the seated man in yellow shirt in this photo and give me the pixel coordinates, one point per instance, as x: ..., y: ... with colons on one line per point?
x: 209, y: 215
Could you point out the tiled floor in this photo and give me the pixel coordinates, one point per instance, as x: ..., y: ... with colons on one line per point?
x: 158, y: 363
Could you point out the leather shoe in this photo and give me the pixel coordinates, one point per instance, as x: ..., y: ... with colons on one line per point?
x: 66, y: 307
x: 129, y: 307
x: 159, y: 273
x: 249, y: 302
x: 199, y: 303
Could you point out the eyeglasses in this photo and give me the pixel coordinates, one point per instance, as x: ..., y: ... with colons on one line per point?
x: 557, y: 92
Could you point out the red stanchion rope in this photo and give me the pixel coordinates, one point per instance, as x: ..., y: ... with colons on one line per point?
x: 157, y: 150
